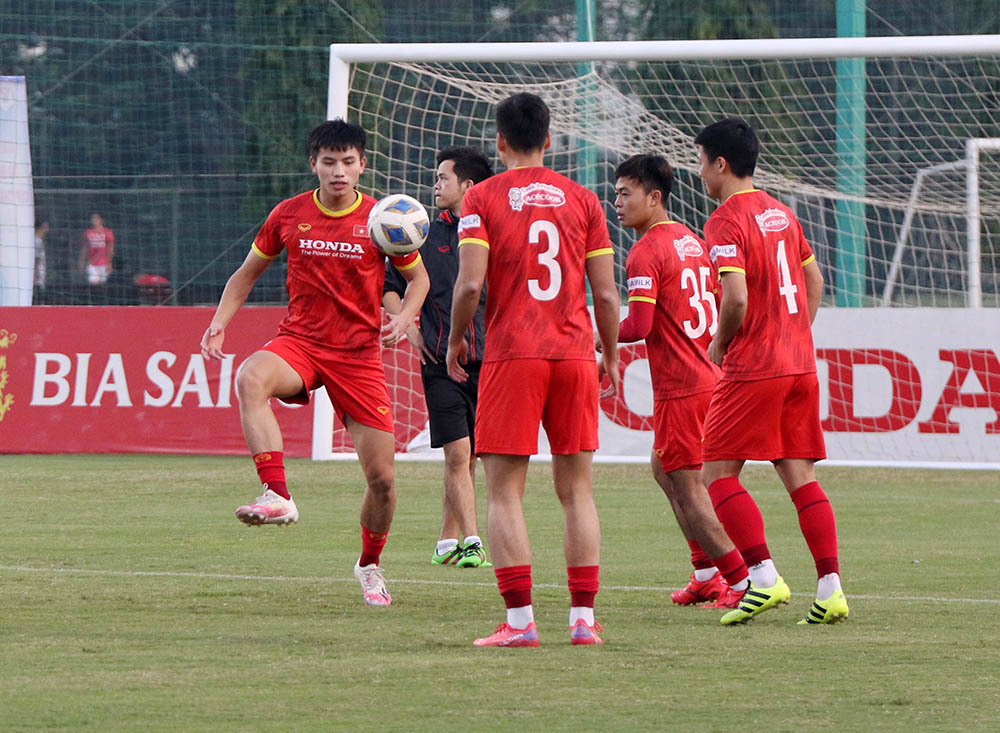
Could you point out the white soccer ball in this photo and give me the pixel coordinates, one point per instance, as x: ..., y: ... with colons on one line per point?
x: 398, y: 224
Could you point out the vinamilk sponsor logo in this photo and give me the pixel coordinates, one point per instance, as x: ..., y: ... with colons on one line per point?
x: 722, y: 250
x: 639, y: 283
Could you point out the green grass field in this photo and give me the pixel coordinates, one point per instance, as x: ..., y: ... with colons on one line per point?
x: 130, y: 597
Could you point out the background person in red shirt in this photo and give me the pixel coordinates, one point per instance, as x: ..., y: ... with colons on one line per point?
x: 535, y: 237
x: 766, y: 406
x: 329, y: 338
x: 97, y: 250
x: 671, y: 298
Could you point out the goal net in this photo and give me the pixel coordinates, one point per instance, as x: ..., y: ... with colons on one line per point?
x: 847, y: 126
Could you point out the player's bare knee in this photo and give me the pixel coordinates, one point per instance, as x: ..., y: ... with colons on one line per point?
x: 381, y: 481
x: 251, y: 386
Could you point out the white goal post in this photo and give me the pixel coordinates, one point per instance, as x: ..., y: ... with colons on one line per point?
x: 922, y: 100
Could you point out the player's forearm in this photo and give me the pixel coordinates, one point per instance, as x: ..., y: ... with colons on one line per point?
x: 814, y: 288
x: 606, y: 317
x: 464, y: 302
x: 731, y: 315
x: 413, y: 297
x: 234, y: 295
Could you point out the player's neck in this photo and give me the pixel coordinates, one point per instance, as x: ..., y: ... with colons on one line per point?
x: 659, y: 216
x: 339, y: 202
x: 734, y: 186
x: 517, y: 159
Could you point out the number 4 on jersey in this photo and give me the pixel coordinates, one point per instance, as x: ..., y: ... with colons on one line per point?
x: 785, y: 285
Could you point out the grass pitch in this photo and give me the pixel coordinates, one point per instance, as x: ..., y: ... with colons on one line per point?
x: 130, y: 597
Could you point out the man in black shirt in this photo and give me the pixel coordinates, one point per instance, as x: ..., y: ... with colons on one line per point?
x: 450, y: 406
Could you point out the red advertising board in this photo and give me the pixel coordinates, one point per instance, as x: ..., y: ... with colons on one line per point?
x: 132, y: 380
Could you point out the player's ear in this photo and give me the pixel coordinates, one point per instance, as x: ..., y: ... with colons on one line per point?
x: 364, y: 162
x: 548, y: 141
x: 501, y: 143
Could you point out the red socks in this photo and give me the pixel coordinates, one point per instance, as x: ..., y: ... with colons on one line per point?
x: 271, y: 470
x: 818, y: 526
x: 583, y: 584
x: 741, y: 518
x: 371, y: 546
x: 699, y: 560
x: 515, y: 585
x: 732, y: 567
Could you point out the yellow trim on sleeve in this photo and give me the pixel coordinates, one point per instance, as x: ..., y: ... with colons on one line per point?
x: 256, y: 250
x: 474, y: 240
x: 599, y: 252
x: 415, y: 262
x: 807, y: 260
x: 641, y: 298
x: 733, y: 269
x: 331, y: 212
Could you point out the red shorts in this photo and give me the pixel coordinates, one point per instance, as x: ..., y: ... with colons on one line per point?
x: 765, y: 420
x: 356, y: 388
x: 677, y: 430
x: 516, y: 395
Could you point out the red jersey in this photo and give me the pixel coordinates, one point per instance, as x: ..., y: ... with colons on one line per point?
x: 335, y: 272
x: 757, y: 235
x: 540, y: 228
x: 669, y: 267
x: 98, y: 243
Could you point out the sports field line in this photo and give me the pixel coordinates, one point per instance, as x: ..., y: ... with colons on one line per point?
x: 297, y: 579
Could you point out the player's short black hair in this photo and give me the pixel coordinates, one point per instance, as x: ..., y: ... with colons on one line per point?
x: 652, y: 171
x: 734, y: 140
x: 470, y: 164
x: 523, y: 120
x: 336, y: 135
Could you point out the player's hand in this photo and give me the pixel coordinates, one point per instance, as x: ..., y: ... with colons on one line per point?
x: 211, y: 342
x: 394, y: 330
x: 598, y: 346
x: 716, y: 352
x: 457, y: 355
x: 608, y: 365
x: 419, y: 345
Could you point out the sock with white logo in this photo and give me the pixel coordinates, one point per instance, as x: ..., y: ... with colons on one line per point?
x: 446, y: 546
x: 827, y: 586
x: 520, y: 618
x: 763, y: 574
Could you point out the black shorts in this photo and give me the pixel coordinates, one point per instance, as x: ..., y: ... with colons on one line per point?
x: 451, y: 406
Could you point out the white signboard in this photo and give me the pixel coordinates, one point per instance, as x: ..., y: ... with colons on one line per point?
x: 17, y: 210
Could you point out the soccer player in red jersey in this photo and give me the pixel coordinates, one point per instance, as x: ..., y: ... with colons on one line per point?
x: 766, y: 406
x: 329, y: 338
x: 671, y: 297
x: 534, y: 236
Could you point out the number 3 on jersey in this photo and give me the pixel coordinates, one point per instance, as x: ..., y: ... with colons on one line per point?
x: 546, y: 258
x: 700, y: 293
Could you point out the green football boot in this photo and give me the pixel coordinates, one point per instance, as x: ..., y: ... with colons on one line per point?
x: 473, y: 556
x: 452, y: 557
x: 757, y: 600
x: 830, y: 611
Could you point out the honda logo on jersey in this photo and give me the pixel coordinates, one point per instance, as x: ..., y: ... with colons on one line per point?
x: 536, y: 194
x: 310, y: 246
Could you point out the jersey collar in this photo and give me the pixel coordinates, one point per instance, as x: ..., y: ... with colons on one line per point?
x: 331, y: 212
